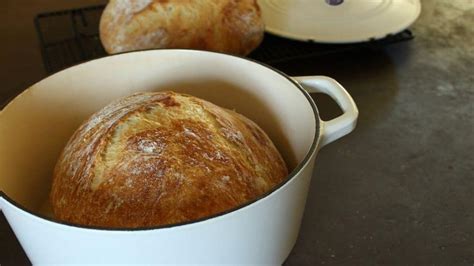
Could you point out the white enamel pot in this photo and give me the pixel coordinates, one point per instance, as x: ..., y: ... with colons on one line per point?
x: 35, y: 126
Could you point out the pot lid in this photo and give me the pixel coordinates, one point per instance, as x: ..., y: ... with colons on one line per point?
x: 338, y: 21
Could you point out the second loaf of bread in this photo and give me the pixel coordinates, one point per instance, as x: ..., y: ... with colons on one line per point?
x: 228, y: 26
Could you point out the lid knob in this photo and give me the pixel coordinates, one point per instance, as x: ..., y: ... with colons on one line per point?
x: 334, y: 2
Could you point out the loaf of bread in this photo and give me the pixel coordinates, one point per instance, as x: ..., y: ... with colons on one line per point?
x: 227, y: 26
x: 162, y: 158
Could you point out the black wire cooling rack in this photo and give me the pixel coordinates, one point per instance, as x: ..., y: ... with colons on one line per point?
x: 69, y: 37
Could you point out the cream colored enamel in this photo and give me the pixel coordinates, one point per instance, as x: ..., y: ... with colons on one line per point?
x: 351, y: 21
x: 35, y: 127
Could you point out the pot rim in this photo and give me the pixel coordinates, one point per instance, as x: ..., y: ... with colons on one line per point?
x: 288, y: 178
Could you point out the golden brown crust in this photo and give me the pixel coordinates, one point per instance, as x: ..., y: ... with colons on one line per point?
x: 228, y: 26
x: 162, y: 158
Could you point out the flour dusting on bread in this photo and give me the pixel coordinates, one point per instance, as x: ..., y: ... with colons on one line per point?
x: 161, y: 158
x: 229, y: 26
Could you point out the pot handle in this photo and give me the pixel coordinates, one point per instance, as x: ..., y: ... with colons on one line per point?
x: 2, y: 199
x: 339, y: 126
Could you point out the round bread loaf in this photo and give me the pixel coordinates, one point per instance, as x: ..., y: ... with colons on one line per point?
x: 161, y: 158
x: 227, y: 26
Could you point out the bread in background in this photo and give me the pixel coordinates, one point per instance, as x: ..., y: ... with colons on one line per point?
x: 227, y: 26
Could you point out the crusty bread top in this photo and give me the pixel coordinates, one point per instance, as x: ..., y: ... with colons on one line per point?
x: 228, y: 26
x: 162, y: 158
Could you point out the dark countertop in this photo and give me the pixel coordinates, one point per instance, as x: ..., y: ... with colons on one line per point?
x: 399, y: 190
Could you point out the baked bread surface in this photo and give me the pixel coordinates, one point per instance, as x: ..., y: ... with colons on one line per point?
x: 160, y: 158
x: 227, y: 26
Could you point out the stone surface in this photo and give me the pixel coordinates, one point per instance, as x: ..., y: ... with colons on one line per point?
x: 399, y: 190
